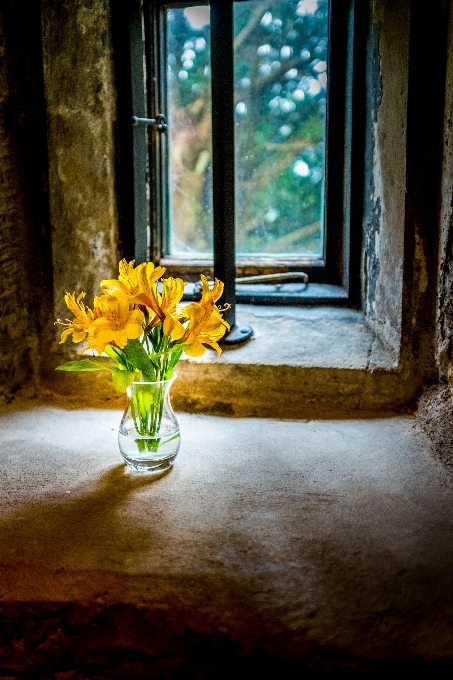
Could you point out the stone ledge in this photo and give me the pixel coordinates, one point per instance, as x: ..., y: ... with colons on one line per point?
x: 300, y: 362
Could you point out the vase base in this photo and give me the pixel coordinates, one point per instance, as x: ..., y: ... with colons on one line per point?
x: 152, y: 466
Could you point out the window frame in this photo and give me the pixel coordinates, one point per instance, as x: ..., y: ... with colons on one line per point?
x: 336, y: 280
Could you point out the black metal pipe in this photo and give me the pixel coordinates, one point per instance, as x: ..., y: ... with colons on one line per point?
x: 223, y: 150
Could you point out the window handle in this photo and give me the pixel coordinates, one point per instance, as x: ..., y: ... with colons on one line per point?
x: 159, y: 121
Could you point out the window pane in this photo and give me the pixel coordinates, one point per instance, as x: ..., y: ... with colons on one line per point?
x: 190, y: 148
x: 280, y: 104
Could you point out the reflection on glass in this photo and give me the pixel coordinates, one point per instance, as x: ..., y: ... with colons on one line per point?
x: 280, y: 103
x: 189, y: 112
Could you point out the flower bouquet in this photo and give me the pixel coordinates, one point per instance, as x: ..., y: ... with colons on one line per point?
x: 141, y: 327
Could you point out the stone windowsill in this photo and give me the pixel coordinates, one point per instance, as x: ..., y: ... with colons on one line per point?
x: 300, y: 362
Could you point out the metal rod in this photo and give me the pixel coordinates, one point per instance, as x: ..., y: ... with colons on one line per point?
x: 222, y: 85
x: 262, y: 278
x: 159, y: 121
x: 145, y: 121
x: 139, y: 137
x: 269, y: 278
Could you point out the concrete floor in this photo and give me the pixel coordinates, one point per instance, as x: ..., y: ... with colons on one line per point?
x: 322, y: 545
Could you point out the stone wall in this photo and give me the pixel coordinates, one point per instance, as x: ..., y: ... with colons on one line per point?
x: 402, y: 225
x: 25, y: 260
x: 75, y: 149
x: 435, y: 413
x: 444, y: 340
x: 385, y: 167
x: 81, y: 109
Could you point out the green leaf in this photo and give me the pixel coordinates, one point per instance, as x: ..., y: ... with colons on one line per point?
x: 116, y: 354
x: 139, y: 360
x: 175, y: 357
x: 180, y: 348
x: 122, y: 379
x: 85, y: 365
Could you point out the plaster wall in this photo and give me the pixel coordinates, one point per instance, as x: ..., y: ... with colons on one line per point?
x: 385, y: 168
x: 25, y: 262
x: 81, y: 108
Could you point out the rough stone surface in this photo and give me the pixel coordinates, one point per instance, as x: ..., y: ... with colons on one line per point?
x: 385, y: 167
x: 25, y: 261
x: 445, y: 327
x: 434, y: 416
x: 320, y: 360
x: 81, y: 109
x: 324, y: 545
x: 435, y: 411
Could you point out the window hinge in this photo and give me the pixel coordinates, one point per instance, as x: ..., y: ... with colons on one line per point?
x: 160, y: 122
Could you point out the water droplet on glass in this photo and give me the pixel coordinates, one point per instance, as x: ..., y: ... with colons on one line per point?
x: 200, y: 44
x: 187, y: 54
x: 263, y: 50
x: 314, y: 86
x: 286, y: 52
x: 271, y: 215
x: 285, y: 130
x: 292, y: 73
x: 306, y: 7
x: 320, y: 67
x: 301, y: 168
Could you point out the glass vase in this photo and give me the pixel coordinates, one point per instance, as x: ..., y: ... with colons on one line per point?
x: 148, y: 435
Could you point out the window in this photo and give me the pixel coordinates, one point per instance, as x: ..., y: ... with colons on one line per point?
x: 250, y: 144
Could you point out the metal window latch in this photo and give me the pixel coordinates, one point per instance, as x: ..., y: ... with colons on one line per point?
x: 274, y: 278
x: 160, y: 122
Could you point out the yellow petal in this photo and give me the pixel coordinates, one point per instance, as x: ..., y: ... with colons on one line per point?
x: 101, y: 324
x: 120, y: 338
x: 78, y: 335
x: 65, y: 333
x: 133, y: 330
x: 72, y: 304
x: 102, y: 336
x: 173, y: 327
x: 113, y: 285
x: 195, y: 350
x: 194, y: 312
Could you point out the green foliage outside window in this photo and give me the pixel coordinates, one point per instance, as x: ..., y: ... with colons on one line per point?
x: 280, y: 103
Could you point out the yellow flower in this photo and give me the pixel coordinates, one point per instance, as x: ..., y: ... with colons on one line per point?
x: 162, y: 305
x: 172, y: 292
x: 206, y: 327
x: 147, y: 290
x: 134, y: 281
x: 116, y: 324
x: 84, y: 317
x: 139, y: 285
x: 212, y: 294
